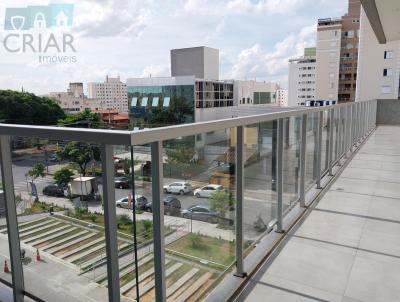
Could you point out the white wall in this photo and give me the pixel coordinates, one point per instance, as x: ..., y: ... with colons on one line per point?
x: 302, y: 78
x: 371, y: 84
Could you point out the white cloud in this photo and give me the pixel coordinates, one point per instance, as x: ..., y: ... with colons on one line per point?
x: 256, y: 62
x: 111, y: 18
x: 156, y: 71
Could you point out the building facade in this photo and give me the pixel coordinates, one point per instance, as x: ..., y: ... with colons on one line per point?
x: 302, y: 78
x: 379, y: 66
x: 337, y: 55
x: 248, y: 93
x: 201, y: 62
x: 282, y: 97
x: 112, y: 91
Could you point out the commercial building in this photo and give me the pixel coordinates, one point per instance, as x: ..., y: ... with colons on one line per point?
x: 379, y: 65
x: 193, y: 93
x: 302, y: 78
x: 112, y: 91
x: 337, y: 49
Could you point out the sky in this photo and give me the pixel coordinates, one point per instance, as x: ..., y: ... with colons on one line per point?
x: 133, y: 38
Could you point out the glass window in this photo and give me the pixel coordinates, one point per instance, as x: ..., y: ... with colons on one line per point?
x: 134, y: 102
x: 145, y: 101
x: 387, y: 72
x: 388, y: 54
x: 386, y: 89
x: 155, y: 101
x: 167, y: 100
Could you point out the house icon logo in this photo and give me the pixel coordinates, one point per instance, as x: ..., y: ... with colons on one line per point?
x: 39, y: 17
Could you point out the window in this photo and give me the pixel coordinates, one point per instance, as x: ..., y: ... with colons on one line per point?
x: 386, y: 89
x: 350, y: 34
x: 167, y: 100
x: 155, y: 101
x: 387, y: 72
x: 145, y: 101
x: 134, y: 102
x: 388, y: 54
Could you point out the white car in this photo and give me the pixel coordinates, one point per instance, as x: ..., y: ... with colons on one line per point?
x: 207, y: 190
x: 179, y: 187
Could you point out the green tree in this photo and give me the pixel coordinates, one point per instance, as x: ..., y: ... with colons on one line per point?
x: 63, y: 176
x: 221, y: 202
x: 27, y: 108
x: 38, y: 170
x: 81, y: 154
x: 84, y: 119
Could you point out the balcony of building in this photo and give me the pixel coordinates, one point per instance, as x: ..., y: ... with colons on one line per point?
x: 273, y: 169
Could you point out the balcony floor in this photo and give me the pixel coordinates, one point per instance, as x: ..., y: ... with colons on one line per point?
x: 348, y: 248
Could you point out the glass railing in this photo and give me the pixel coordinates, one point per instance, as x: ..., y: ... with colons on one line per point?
x: 159, y: 214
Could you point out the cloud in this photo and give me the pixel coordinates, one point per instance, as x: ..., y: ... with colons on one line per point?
x: 233, y: 7
x: 156, y: 71
x: 256, y: 62
x: 110, y: 18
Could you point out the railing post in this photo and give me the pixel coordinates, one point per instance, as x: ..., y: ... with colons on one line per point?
x: 319, y: 148
x: 303, y: 149
x: 110, y: 222
x: 330, y: 146
x: 158, y: 220
x: 239, y: 200
x: 279, y: 177
x: 17, y: 274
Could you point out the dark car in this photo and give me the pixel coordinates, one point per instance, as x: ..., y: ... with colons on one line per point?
x: 140, y: 202
x: 54, y: 190
x: 122, y: 182
x: 201, y: 212
x: 172, y: 206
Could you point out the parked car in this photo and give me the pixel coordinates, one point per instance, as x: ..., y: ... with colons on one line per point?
x: 54, y: 190
x: 172, y: 206
x: 179, y: 187
x: 200, y: 212
x: 122, y: 182
x: 140, y: 202
x: 53, y: 158
x: 207, y: 190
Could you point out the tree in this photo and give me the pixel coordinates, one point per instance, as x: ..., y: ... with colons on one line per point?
x: 27, y: 108
x: 84, y: 119
x: 38, y: 170
x: 221, y: 202
x: 62, y: 177
x: 81, y: 154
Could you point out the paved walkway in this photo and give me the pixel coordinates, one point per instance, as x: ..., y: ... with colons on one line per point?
x: 348, y: 248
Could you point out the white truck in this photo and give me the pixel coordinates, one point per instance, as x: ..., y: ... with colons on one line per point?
x: 85, y: 187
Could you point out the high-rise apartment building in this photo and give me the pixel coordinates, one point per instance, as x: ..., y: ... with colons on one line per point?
x: 282, y: 97
x: 379, y: 65
x: 302, y: 77
x: 112, y: 91
x: 337, y: 55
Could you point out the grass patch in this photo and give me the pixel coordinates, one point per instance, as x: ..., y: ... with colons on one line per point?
x: 206, y: 248
x: 40, y: 207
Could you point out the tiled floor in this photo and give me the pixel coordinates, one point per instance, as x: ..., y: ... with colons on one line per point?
x: 348, y: 248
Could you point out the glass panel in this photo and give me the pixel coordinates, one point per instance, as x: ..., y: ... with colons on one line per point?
x: 5, y: 262
x: 155, y: 101
x: 259, y: 178
x: 144, y: 101
x: 325, y: 142
x: 311, y: 154
x: 291, y: 160
x: 166, y: 101
x: 134, y: 102
x: 61, y: 222
x: 200, y: 226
